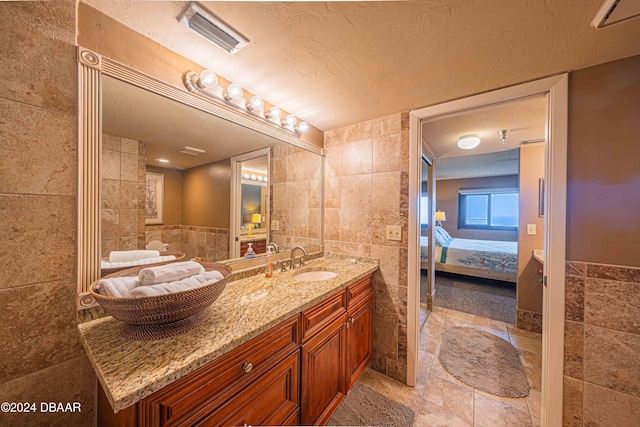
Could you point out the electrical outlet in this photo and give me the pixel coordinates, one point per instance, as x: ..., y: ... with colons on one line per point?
x: 394, y: 232
x: 531, y: 229
x: 275, y: 225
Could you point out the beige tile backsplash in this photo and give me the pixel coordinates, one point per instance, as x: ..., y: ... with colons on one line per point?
x: 602, y: 345
x: 366, y: 190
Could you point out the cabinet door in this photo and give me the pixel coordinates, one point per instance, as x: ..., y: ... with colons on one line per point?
x: 273, y: 399
x: 324, y: 376
x: 360, y: 338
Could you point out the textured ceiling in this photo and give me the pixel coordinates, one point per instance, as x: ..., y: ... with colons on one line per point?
x: 525, y: 119
x: 339, y: 63
x: 480, y: 165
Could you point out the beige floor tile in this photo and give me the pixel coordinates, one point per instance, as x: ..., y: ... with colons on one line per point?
x: 522, y: 333
x: 429, y: 344
x: 492, y: 413
x: 517, y: 403
x: 534, y: 402
x: 459, y: 315
x: 452, y: 322
x: 490, y: 323
x: 450, y: 396
x: 395, y: 391
x: 431, y: 415
x: 497, y: 332
x: 524, y: 343
x: 425, y: 360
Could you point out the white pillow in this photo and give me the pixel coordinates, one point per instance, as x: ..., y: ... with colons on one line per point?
x: 438, y: 237
x: 444, y: 232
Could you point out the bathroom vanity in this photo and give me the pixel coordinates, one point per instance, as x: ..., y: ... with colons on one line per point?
x: 275, y: 351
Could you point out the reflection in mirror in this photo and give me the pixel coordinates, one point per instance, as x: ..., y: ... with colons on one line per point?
x: 145, y: 133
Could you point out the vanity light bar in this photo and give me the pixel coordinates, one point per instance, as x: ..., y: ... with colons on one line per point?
x: 206, y: 83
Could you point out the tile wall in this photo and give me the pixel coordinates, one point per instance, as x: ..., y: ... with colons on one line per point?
x: 208, y: 243
x: 366, y: 189
x: 295, y: 196
x: 42, y: 359
x: 602, y: 345
x: 123, y: 193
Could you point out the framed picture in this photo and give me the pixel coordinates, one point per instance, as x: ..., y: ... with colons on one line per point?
x: 541, y: 197
x: 154, y: 199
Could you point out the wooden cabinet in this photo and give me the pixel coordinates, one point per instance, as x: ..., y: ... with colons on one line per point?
x: 297, y: 373
x: 360, y: 331
x: 337, y: 345
x: 324, y: 353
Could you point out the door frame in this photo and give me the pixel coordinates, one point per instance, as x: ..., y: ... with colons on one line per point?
x: 235, y: 197
x: 556, y: 90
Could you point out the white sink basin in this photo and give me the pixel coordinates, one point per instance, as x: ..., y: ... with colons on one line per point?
x: 314, y: 276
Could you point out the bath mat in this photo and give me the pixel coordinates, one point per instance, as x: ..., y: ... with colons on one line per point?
x: 364, y: 406
x: 484, y: 361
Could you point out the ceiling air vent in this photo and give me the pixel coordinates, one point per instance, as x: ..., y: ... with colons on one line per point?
x: 191, y: 151
x: 212, y: 28
x: 616, y: 11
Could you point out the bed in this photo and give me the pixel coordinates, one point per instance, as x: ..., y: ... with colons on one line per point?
x: 480, y: 258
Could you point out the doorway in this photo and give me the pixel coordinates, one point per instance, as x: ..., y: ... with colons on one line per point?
x: 555, y: 90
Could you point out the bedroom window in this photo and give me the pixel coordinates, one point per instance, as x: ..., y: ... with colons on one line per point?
x: 488, y: 209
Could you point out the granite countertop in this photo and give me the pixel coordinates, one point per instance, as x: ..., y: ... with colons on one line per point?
x: 132, y: 370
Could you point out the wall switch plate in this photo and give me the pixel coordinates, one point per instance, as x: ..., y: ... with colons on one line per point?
x: 531, y: 229
x: 275, y: 225
x: 394, y: 232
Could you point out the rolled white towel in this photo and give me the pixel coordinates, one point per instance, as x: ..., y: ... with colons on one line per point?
x: 124, y: 256
x: 118, y: 287
x: 185, y: 284
x: 169, y: 273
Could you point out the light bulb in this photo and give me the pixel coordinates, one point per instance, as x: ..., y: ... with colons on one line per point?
x: 290, y: 120
x: 208, y: 79
x: 234, y: 91
x: 274, y: 112
x: 246, y: 176
x: 253, y: 177
x: 469, y: 142
x: 256, y: 103
x: 163, y: 160
x: 303, y: 127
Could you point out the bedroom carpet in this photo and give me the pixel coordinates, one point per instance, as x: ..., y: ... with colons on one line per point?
x: 482, y: 297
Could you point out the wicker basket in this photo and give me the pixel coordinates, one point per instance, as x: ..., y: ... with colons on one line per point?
x: 161, y: 316
x: 179, y: 257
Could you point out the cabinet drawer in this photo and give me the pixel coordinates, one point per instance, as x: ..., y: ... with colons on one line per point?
x: 270, y: 400
x: 314, y: 319
x: 359, y: 291
x: 203, y: 391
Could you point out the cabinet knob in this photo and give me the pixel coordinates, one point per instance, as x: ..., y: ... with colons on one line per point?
x: 353, y: 320
x: 247, y: 367
x: 347, y: 324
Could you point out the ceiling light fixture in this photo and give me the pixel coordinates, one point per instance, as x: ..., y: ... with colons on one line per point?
x: 162, y: 160
x: 207, y: 79
x: 233, y: 91
x: 503, y: 135
x: 274, y: 112
x: 206, y: 83
x: 469, y: 142
x: 256, y: 103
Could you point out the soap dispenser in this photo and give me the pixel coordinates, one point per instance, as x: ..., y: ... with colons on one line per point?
x: 250, y: 253
x: 269, y: 264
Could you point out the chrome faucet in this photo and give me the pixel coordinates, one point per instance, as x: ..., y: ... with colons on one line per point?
x: 276, y: 248
x: 292, y: 261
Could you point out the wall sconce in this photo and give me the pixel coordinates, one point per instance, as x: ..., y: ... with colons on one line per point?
x: 440, y: 216
x: 206, y: 83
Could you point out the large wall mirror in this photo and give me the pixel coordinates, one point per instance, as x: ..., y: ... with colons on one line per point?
x: 170, y: 169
